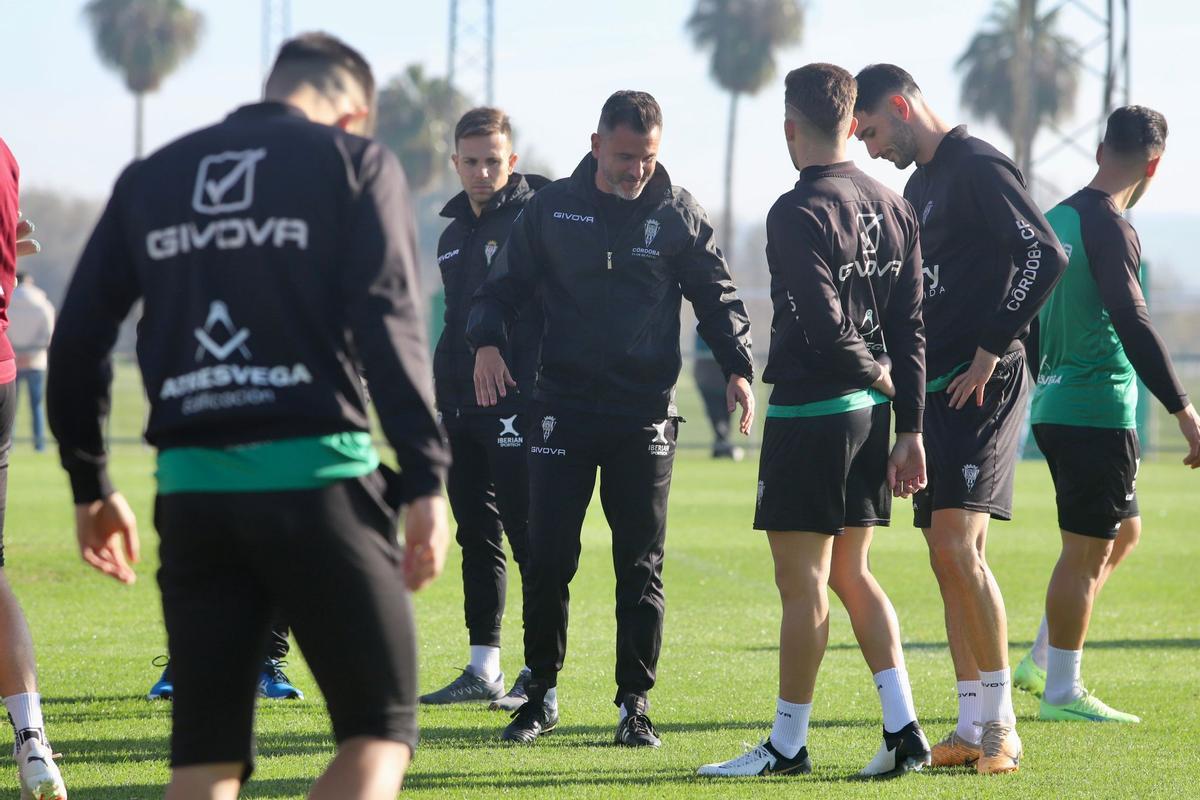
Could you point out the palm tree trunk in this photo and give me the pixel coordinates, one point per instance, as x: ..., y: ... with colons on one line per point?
x: 1022, y: 83
x: 727, y: 217
x: 137, y: 123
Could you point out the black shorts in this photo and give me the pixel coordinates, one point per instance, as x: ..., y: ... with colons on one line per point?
x: 826, y: 473
x: 1095, y: 476
x: 8, y: 411
x: 329, y: 562
x: 971, y: 453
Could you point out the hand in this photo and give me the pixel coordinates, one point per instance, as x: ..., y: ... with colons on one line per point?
x: 906, y: 465
x: 884, y: 382
x: 426, y: 537
x: 738, y: 392
x: 492, y: 378
x: 973, y: 380
x: 25, y: 245
x: 107, y: 534
x: 1189, y: 426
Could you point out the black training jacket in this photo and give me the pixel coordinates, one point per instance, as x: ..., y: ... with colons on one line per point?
x: 612, y: 298
x: 466, y: 252
x: 991, y: 258
x: 273, y: 255
x: 845, y: 260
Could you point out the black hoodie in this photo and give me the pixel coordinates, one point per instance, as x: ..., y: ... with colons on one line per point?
x: 272, y: 254
x: 466, y: 251
x: 612, y: 298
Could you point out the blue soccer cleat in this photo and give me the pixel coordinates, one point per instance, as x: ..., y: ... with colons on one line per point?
x: 164, y: 687
x: 273, y: 684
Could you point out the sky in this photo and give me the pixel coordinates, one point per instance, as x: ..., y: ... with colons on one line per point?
x: 69, y: 120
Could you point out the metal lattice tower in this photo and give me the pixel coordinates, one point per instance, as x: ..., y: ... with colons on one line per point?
x: 472, y: 53
x: 1104, y: 57
x: 276, y: 29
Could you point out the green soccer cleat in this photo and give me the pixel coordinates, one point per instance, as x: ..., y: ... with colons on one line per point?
x: 1085, y: 708
x: 1029, y: 677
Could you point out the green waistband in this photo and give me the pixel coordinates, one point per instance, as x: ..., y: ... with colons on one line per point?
x: 942, y: 381
x: 307, y: 463
x: 864, y: 398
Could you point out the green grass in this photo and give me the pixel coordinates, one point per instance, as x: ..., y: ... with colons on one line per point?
x: 717, y: 677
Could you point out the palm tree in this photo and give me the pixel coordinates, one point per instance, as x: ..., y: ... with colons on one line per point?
x: 144, y: 40
x: 416, y: 118
x: 743, y: 36
x: 1020, y: 72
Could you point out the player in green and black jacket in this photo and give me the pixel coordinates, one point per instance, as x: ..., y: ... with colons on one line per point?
x: 1094, y: 339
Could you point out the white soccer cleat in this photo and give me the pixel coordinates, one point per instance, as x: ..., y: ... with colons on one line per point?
x: 39, y: 775
x: 763, y: 760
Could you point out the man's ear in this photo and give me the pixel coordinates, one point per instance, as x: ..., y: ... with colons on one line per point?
x: 1152, y: 167
x: 853, y: 127
x: 901, y: 106
x: 346, y: 120
x: 596, y: 145
x: 789, y: 129
x: 1099, y: 153
x: 512, y: 162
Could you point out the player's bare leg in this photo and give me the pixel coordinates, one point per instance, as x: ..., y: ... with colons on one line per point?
x: 975, y: 615
x: 364, y: 768
x: 206, y: 782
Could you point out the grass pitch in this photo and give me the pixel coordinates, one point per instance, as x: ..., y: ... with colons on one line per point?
x: 717, y: 677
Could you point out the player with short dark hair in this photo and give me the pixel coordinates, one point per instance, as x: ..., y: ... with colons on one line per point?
x: 488, y: 484
x: 846, y: 338
x: 612, y: 251
x: 990, y: 262
x: 274, y: 252
x: 1094, y: 338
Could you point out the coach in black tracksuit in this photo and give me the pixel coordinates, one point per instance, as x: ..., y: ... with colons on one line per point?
x: 488, y: 483
x: 613, y: 249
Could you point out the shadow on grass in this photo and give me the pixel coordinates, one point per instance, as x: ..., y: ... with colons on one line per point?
x: 269, y: 789
x: 1102, y: 644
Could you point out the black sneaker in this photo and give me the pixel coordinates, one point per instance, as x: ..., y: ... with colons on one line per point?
x: 636, y: 730
x: 516, y: 696
x: 762, y: 760
x: 906, y: 750
x: 531, y: 721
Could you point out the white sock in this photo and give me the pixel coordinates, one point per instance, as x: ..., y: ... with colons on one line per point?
x: 996, y: 697
x: 485, y: 662
x: 968, y: 711
x: 895, y: 695
x: 1062, y: 676
x: 551, y: 698
x: 790, y: 731
x: 25, y: 710
x: 1038, y: 653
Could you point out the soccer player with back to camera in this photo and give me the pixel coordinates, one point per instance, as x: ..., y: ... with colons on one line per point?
x: 488, y: 484
x: 846, y: 338
x: 1094, y: 338
x: 273, y: 252
x: 990, y: 261
x: 611, y: 250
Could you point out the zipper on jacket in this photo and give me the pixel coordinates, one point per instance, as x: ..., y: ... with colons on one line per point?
x: 610, y: 259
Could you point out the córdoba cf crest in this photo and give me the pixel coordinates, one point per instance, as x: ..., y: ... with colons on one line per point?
x: 489, y: 250
x: 651, y: 228
x: 970, y: 475
x: 547, y: 427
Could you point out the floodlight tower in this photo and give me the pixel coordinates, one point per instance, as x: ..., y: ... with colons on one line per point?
x: 472, y: 53
x: 1105, y: 58
x: 276, y: 29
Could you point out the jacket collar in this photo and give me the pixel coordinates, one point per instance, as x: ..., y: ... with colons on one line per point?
x: 583, y: 181
x: 267, y: 108
x: 518, y: 189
